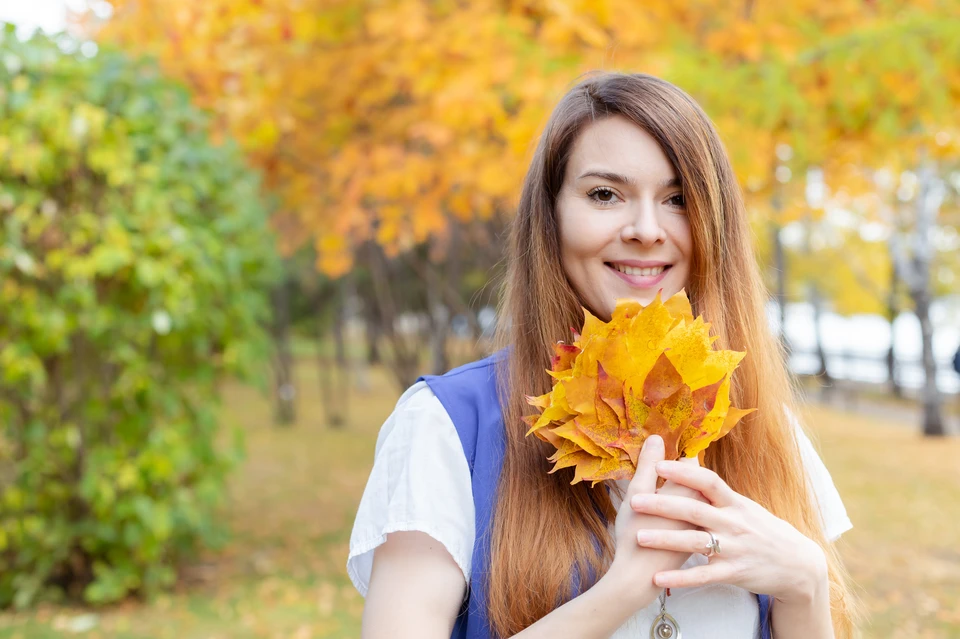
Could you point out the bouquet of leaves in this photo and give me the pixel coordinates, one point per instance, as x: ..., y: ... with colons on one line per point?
x: 649, y: 371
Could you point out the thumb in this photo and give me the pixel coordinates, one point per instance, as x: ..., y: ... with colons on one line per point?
x: 645, y: 479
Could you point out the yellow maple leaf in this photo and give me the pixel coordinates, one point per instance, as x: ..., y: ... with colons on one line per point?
x: 649, y: 370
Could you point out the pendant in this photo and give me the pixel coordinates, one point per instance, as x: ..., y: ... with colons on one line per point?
x: 665, y: 627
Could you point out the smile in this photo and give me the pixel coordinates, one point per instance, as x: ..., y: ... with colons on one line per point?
x: 634, y: 270
x: 639, y: 277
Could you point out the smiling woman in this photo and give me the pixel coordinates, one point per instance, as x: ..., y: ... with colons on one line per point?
x: 624, y: 232
x: 462, y: 532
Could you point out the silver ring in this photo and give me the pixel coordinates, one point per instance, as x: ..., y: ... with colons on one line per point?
x: 712, y: 548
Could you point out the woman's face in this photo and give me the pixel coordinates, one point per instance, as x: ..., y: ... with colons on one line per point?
x: 624, y: 231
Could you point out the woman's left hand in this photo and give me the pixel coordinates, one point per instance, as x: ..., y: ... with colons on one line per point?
x: 758, y: 551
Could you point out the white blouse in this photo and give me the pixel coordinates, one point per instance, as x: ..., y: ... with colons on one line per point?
x: 420, y: 481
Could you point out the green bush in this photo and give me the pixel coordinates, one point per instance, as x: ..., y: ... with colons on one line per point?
x: 135, y: 260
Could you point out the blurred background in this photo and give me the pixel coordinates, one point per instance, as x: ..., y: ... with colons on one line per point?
x: 233, y: 231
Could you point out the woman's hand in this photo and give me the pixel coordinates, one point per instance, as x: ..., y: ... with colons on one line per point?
x: 758, y: 551
x: 633, y: 565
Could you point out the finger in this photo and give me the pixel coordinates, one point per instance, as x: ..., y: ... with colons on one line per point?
x: 645, y: 479
x: 689, y: 541
x: 701, y: 479
x: 716, y: 573
x: 685, y: 509
x: 673, y: 488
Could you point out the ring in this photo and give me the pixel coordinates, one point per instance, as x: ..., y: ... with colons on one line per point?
x: 712, y: 548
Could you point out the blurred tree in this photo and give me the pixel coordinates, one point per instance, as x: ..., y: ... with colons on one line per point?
x: 285, y: 389
x: 382, y: 123
x: 897, y: 104
x: 132, y: 275
x: 878, y: 90
x: 384, y: 120
x: 389, y: 121
x: 914, y: 252
x: 320, y: 309
x: 835, y: 268
x: 378, y: 121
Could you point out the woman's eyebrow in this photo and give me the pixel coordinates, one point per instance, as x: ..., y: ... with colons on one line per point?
x: 623, y: 179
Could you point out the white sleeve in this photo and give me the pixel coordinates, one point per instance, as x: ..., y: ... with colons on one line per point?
x: 832, y: 511
x: 420, y: 481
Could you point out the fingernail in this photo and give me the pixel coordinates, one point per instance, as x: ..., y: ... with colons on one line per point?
x: 644, y: 537
x: 639, y: 501
x: 659, y: 580
x: 654, y: 442
x: 662, y: 466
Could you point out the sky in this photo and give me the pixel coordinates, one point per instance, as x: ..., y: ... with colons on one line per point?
x: 29, y: 15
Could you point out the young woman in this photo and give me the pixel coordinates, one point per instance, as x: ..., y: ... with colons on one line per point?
x: 461, y: 530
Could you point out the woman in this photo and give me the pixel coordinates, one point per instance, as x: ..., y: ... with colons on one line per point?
x: 462, y: 530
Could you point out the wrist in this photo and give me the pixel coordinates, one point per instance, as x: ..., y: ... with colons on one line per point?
x: 813, y: 583
x: 625, y: 583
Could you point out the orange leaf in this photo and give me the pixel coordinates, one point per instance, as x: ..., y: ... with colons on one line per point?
x: 610, y: 392
x: 662, y: 381
x: 572, y: 432
x: 564, y: 357
x: 650, y: 370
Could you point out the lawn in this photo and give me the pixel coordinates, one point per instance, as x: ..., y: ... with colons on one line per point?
x: 293, y: 500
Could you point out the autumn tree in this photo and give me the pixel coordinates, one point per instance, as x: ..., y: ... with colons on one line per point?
x: 133, y: 268
x: 393, y: 121
x: 896, y: 112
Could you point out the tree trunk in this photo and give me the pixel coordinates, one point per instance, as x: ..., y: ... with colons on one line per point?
x: 439, y: 319
x: 932, y: 414
x: 439, y: 329
x: 405, y: 358
x: 816, y: 303
x: 342, y: 366
x: 284, y: 388
x: 893, y: 311
x: 325, y: 383
x: 332, y: 398
x: 913, y: 267
x: 822, y: 374
x: 372, y: 334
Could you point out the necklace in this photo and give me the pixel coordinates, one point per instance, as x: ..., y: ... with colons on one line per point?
x: 664, y: 626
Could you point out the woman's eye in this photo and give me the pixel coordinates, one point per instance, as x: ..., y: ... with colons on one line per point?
x: 677, y: 200
x: 602, y: 196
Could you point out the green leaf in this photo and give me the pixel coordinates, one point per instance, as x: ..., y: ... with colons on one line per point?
x: 116, y: 208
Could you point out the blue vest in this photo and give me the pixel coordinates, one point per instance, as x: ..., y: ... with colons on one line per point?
x: 469, y: 395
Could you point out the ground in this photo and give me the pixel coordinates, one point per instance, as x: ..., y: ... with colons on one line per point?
x: 293, y: 500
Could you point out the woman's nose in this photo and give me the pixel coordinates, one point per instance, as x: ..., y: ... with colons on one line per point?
x: 643, y: 223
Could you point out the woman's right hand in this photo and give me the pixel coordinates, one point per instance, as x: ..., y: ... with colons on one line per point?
x: 634, y: 566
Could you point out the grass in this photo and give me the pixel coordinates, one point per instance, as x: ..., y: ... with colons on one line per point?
x: 902, y: 493
x: 292, y: 505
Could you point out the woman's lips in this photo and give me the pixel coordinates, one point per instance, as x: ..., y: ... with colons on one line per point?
x: 640, y: 281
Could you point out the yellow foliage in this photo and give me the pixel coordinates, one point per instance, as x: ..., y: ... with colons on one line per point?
x: 650, y: 370
x: 398, y: 98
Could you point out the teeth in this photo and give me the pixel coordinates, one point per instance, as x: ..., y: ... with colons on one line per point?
x: 632, y: 270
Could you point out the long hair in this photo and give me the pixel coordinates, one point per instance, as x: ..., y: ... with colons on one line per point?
x: 545, y: 529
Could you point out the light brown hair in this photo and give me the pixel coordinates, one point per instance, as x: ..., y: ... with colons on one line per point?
x: 546, y: 530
